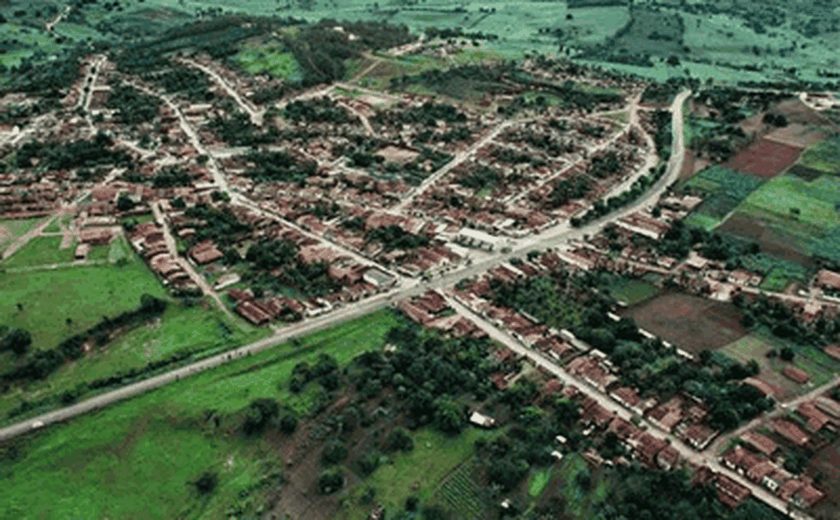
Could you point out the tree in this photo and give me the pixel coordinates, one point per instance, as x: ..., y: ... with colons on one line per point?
x: 124, y: 202
x: 258, y: 415
x: 786, y: 354
x: 288, y: 424
x: 334, y: 453
x: 206, y: 483
x: 448, y: 416
x: 673, y: 61
x: 16, y: 340
x: 331, y: 481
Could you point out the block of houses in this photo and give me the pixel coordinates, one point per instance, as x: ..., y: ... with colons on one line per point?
x: 594, y: 414
x: 646, y: 448
x: 828, y: 406
x: 95, y: 235
x: 699, y: 436
x: 667, y: 458
x: 760, y: 443
x: 791, y: 432
x: 740, y: 460
x: 774, y: 481
x: 205, y: 253
x: 628, y: 398
x: 815, y: 420
x: 761, y: 471
x: 730, y: 492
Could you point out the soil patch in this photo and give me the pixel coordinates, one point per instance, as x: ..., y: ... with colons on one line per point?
x: 805, y: 173
x: 691, y: 322
x: 765, y: 159
x: 771, y: 242
x: 797, y: 135
x: 798, y: 112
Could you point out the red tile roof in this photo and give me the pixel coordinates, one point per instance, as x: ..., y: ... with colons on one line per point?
x: 761, y: 443
x: 797, y: 375
x: 815, y: 419
x: 791, y: 432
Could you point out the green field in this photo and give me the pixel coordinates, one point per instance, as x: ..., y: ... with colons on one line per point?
x: 778, y: 273
x: 824, y: 156
x: 702, y: 220
x: 82, y: 294
x: 433, y: 457
x: 631, y: 290
x: 136, y: 459
x: 270, y: 60
x: 41, y: 251
x: 12, y: 229
x: 459, y: 493
x: 580, y: 503
x: 816, y: 202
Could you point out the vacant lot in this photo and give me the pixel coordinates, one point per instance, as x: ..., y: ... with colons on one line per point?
x: 271, y: 60
x: 632, y: 291
x: 691, y: 322
x: 756, y: 347
x: 827, y: 463
x: 765, y: 159
x: 12, y: 229
x: 138, y: 458
x: 799, y: 136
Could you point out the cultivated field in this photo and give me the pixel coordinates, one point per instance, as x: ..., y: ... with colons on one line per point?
x: 773, y: 242
x: 691, y: 322
x: 722, y: 190
x: 824, y: 156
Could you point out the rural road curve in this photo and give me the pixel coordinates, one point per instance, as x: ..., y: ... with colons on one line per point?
x: 407, y: 289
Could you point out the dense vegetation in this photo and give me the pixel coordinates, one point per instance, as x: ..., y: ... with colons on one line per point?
x: 133, y: 107
x: 275, y: 266
x: 78, y: 154
x: 279, y: 167
x: 394, y: 237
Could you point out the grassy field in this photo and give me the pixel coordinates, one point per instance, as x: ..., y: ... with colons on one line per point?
x: 82, y: 294
x: 433, y: 457
x: 722, y: 190
x: 580, y: 502
x: 12, y: 229
x: 824, y: 156
x: 136, y: 459
x: 270, y: 60
x: 41, y: 251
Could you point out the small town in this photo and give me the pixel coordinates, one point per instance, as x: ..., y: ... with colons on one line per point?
x: 599, y: 287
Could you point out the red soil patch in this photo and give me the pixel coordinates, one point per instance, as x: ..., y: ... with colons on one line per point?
x: 797, y: 135
x: 826, y: 462
x: 765, y: 159
x: 690, y: 322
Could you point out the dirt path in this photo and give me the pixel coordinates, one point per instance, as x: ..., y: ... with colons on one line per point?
x: 255, y: 115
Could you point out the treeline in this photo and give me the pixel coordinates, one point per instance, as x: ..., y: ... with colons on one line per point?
x: 219, y: 225
x: 321, y: 50
x: 78, y: 154
x: 49, y: 79
x: 279, y: 167
x: 394, y: 237
x: 457, y: 32
x: 42, y: 363
x: 133, y: 107
x: 428, y: 114
x: 319, y: 110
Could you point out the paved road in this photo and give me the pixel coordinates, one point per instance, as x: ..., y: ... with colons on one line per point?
x: 255, y: 115
x: 405, y: 290
x: 685, y: 451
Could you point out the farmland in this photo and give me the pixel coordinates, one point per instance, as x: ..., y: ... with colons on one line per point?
x: 722, y: 190
x: 824, y: 156
x: 460, y: 493
x: 58, y: 472
x: 796, y: 208
x: 765, y: 159
x: 690, y: 322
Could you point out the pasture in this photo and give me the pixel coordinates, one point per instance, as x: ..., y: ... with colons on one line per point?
x: 82, y: 295
x: 632, y: 291
x: 691, y: 322
x: 152, y: 447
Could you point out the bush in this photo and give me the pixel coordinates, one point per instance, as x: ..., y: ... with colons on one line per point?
x: 331, y: 481
x: 786, y: 354
x: 288, y: 424
x: 206, y: 483
x: 399, y: 440
x: 334, y: 453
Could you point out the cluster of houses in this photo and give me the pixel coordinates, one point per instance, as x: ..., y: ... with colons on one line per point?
x: 149, y: 241
x: 432, y: 310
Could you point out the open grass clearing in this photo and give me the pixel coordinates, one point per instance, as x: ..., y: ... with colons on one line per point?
x: 633, y: 290
x: 271, y: 60
x: 41, y: 251
x: 538, y: 482
x: 136, y: 459
x: 82, y: 294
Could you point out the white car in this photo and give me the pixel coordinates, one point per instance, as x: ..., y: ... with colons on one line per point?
x: 37, y: 424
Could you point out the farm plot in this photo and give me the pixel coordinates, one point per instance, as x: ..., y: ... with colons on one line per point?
x: 765, y: 159
x: 824, y: 156
x: 460, y: 494
x: 722, y: 190
x: 753, y: 347
x: 797, y: 135
x: 773, y: 242
x: 41, y: 251
x: 807, y: 211
x: 691, y: 322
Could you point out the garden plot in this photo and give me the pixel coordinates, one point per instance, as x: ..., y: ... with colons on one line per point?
x: 722, y: 190
x: 824, y: 156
